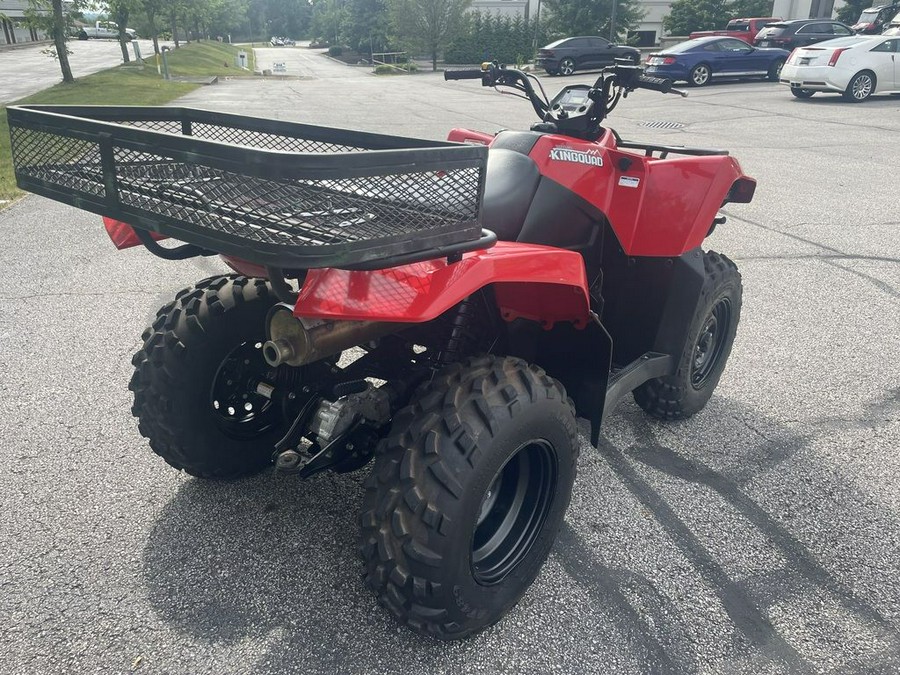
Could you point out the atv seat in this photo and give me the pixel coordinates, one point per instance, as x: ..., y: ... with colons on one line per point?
x: 510, y: 184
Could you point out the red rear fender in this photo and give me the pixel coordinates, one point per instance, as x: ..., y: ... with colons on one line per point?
x: 123, y: 235
x: 534, y: 282
x: 470, y: 136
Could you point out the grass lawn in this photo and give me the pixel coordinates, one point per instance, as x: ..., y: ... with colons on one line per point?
x: 124, y: 86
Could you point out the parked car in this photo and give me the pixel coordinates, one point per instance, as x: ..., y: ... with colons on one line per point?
x: 855, y: 67
x: 104, y: 30
x: 874, y: 19
x: 800, y: 33
x: 743, y: 29
x: 703, y: 59
x: 893, y: 26
x: 565, y: 56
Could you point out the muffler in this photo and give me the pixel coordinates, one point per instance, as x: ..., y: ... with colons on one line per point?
x: 297, y: 342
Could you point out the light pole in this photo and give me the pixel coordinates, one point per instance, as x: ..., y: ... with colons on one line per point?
x: 537, y: 23
x: 612, y: 21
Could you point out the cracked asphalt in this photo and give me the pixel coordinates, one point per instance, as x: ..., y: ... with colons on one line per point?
x: 761, y: 536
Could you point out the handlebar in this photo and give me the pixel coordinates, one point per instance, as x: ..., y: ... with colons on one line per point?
x: 464, y: 74
x: 660, y: 84
x: 614, y: 83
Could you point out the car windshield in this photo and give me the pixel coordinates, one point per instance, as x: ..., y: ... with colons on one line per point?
x: 868, y: 16
x: 773, y: 29
x: 555, y: 44
x: 738, y: 25
x: 683, y: 47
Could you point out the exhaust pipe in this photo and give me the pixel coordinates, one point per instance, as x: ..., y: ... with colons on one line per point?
x: 293, y: 344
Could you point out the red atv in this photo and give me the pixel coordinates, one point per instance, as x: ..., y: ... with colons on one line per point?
x: 370, y: 315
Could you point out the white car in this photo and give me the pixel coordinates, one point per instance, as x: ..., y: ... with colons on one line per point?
x: 856, y: 67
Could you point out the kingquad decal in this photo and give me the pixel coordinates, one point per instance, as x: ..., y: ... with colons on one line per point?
x: 589, y: 157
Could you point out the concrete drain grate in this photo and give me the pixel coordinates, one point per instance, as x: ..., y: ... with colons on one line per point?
x: 662, y: 125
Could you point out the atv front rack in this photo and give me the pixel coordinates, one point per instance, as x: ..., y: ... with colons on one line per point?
x: 279, y: 194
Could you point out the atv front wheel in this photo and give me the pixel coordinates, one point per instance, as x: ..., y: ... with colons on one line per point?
x: 467, y: 495
x: 197, y: 379
x: 706, y: 351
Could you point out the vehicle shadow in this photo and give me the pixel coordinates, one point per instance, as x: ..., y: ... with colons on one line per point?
x: 274, y: 560
x: 835, y: 98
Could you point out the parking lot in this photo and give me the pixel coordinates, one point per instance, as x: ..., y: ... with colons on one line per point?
x: 761, y: 536
x: 27, y: 70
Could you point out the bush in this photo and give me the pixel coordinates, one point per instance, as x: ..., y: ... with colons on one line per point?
x: 335, y: 51
x: 489, y: 37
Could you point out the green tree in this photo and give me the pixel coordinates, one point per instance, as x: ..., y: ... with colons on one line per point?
x: 121, y: 12
x: 152, y: 8
x: 487, y: 37
x: 687, y: 16
x: 851, y: 10
x: 427, y: 25
x: 50, y: 17
x: 365, y: 25
x: 749, y: 9
x: 591, y: 17
x: 328, y: 17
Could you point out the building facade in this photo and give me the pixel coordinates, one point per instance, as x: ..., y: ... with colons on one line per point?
x: 13, y: 27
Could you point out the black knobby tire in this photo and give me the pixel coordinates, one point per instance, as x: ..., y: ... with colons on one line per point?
x: 209, y: 329
x: 703, y: 359
x: 442, y: 484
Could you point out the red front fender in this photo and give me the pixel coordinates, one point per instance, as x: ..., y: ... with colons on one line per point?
x: 540, y: 283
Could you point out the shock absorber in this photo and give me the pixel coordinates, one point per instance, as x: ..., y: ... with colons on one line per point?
x: 461, y: 334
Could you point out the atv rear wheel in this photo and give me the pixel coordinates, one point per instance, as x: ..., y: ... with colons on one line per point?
x: 467, y: 495
x: 706, y: 351
x: 196, y: 380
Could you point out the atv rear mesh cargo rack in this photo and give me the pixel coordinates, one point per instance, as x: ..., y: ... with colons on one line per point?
x: 279, y: 194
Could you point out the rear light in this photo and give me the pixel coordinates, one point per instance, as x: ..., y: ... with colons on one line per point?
x: 669, y: 60
x: 835, y: 55
x: 546, y: 52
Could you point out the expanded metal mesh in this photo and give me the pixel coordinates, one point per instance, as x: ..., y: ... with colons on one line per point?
x: 298, y: 212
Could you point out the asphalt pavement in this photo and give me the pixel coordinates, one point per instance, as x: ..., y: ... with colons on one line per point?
x: 760, y: 536
x: 27, y: 70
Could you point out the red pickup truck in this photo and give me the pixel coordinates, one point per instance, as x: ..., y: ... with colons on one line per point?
x: 743, y: 29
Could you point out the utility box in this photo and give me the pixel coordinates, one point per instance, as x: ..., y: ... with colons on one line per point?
x: 242, y: 59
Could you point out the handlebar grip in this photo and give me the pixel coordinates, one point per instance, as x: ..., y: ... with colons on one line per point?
x: 660, y: 84
x: 463, y: 74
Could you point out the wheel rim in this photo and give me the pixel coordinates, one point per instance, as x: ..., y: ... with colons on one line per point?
x: 701, y: 75
x: 861, y: 87
x: 236, y: 400
x: 710, y: 343
x: 513, y: 511
x: 567, y: 67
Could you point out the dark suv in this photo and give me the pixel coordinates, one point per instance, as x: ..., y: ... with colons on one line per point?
x: 565, y: 56
x: 875, y: 19
x: 800, y: 33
